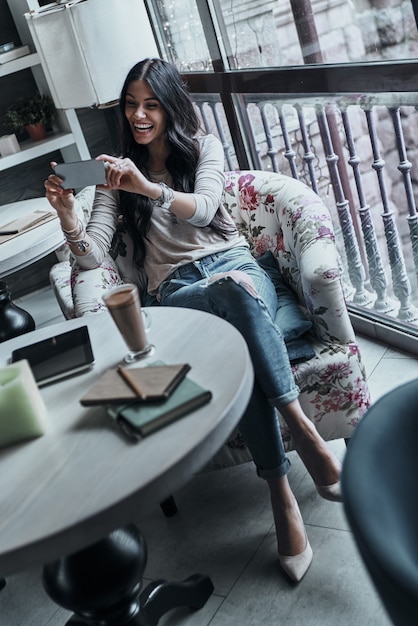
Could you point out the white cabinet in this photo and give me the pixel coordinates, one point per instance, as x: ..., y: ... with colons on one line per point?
x: 69, y: 139
x: 87, y: 48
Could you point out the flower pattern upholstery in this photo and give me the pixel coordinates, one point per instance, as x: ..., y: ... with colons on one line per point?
x: 282, y: 215
x: 279, y: 214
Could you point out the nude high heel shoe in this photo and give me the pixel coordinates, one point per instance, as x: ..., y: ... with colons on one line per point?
x: 296, y: 566
x: 330, y: 492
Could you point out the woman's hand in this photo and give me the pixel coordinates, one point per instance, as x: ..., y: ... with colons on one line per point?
x: 61, y: 199
x: 124, y: 174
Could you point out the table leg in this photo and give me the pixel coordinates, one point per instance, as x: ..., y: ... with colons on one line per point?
x: 102, y: 584
x: 169, y: 506
x: 161, y: 596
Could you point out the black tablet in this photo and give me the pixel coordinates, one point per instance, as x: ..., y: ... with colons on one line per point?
x: 58, y: 356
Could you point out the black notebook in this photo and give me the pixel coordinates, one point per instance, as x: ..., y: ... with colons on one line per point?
x: 140, y: 420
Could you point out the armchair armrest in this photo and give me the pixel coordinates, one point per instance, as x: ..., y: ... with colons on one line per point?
x: 309, y: 253
x: 323, y: 294
x: 281, y: 214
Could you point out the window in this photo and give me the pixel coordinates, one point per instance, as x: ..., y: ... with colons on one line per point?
x: 273, y: 33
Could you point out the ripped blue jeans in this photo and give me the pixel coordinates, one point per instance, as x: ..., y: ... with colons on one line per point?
x: 252, y: 312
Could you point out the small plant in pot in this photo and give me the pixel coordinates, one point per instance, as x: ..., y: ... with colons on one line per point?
x: 34, y: 114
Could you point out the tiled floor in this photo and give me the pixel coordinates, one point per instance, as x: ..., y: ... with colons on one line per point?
x: 224, y: 529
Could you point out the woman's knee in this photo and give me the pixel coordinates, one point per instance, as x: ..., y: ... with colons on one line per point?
x: 238, y: 277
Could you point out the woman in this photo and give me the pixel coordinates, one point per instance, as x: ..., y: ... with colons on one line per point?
x: 165, y: 192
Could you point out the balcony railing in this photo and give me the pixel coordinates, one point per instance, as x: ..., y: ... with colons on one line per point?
x: 357, y: 148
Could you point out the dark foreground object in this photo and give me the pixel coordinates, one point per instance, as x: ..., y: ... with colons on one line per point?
x: 102, y: 584
x: 380, y: 486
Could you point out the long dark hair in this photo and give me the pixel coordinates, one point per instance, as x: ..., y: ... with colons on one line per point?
x: 182, y: 125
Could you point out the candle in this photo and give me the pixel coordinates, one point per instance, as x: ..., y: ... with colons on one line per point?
x: 22, y: 409
x: 8, y: 145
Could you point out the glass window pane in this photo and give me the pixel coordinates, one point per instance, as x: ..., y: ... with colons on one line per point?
x: 275, y: 33
x: 181, y: 34
x: 293, y: 32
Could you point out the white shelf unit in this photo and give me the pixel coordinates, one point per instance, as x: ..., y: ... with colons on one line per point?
x: 22, y: 63
x: 32, y: 150
x: 68, y: 136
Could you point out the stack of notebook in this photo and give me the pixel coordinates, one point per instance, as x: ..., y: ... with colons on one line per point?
x: 144, y: 399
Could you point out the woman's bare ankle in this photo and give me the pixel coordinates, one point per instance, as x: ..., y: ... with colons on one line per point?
x: 290, y: 530
x: 318, y: 459
x: 322, y: 465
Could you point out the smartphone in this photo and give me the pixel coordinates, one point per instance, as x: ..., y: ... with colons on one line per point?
x: 59, y: 356
x: 81, y: 173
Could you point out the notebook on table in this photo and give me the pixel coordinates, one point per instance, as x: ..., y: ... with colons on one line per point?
x: 136, y: 384
x: 141, y: 419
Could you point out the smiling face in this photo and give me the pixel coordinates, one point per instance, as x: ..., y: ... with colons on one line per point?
x: 145, y: 115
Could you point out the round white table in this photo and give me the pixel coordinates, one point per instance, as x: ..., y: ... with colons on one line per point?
x: 83, y: 479
x: 32, y: 245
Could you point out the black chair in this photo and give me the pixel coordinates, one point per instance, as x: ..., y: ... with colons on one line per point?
x: 380, y: 495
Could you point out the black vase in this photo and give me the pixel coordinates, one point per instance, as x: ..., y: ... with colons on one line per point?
x: 14, y: 321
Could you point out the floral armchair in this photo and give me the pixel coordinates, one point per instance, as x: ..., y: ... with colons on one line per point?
x: 280, y: 215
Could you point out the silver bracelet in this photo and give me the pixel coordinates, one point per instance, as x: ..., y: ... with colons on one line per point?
x: 72, y: 235
x: 81, y: 244
x: 167, y: 196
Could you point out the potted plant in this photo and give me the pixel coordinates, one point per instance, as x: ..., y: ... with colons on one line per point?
x: 34, y: 114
